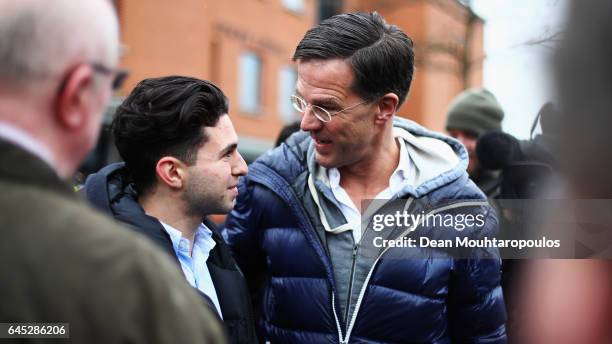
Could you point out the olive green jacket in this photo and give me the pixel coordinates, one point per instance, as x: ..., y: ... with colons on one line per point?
x: 64, y: 263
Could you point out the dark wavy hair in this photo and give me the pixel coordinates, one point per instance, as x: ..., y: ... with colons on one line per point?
x: 165, y: 117
x: 381, y: 55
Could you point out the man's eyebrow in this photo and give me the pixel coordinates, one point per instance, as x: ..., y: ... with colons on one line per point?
x: 228, y: 148
x: 323, y: 102
x: 327, y: 102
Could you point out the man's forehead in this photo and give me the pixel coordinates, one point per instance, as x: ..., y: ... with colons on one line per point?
x: 324, y: 78
x: 222, y: 133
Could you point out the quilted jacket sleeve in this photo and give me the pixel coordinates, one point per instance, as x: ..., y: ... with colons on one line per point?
x: 243, y: 230
x: 477, y: 310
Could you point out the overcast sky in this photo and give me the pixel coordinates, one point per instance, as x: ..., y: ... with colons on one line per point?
x: 515, y: 71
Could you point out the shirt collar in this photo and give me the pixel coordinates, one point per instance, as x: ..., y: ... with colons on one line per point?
x: 402, y: 172
x: 398, y: 177
x: 26, y: 141
x: 202, y: 240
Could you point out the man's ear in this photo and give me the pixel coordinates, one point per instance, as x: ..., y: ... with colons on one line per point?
x: 387, y: 106
x: 171, y: 171
x: 71, y: 102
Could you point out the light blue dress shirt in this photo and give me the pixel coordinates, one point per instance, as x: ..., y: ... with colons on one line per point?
x: 194, y: 265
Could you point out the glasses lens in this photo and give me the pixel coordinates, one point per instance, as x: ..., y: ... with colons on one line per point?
x: 321, y: 113
x: 298, y: 103
x: 120, y: 77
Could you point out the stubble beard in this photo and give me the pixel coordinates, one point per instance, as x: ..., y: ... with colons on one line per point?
x: 202, y: 202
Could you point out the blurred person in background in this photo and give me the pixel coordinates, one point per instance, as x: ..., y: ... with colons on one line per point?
x: 297, y: 225
x: 570, y: 301
x: 181, y: 165
x: 470, y: 115
x: 287, y: 131
x: 64, y: 263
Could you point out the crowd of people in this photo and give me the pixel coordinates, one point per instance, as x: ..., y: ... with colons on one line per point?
x: 132, y: 257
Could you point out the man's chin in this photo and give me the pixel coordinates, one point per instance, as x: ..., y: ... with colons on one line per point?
x: 219, y: 209
x: 229, y: 206
x: 326, y: 161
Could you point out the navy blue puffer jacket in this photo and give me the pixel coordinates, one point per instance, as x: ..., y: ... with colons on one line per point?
x: 277, y: 237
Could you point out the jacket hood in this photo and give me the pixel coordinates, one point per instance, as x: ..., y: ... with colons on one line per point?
x: 110, y: 191
x: 438, y: 160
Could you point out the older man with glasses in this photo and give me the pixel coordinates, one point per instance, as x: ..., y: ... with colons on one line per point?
x: 302, y: 227
x: 300, y: 105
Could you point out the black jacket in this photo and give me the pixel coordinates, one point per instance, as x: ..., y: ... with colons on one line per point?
x: 110, y: 191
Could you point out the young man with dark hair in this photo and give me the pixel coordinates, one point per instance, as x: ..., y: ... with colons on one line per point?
x: 181, y: 165
x: 297, y: 224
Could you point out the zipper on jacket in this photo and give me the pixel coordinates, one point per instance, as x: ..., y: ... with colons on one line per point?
x: 355, y: 251
x: 351, y: 324
x: 338, y: 326
x: 350, y: 291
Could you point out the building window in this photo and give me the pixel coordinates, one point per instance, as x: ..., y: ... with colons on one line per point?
x: 286, y: 87
x: 296, y: 6
x: 249, y: 83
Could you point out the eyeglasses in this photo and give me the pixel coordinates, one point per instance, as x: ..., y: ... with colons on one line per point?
x: 119, y: 74
x: 300, y: 105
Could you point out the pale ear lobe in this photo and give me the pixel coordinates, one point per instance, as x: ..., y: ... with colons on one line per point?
x: 71, y: 107
x: 387, y: 106
x: 170, y: 171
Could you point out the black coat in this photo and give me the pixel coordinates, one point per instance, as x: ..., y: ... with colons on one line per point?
x: 110, y: 191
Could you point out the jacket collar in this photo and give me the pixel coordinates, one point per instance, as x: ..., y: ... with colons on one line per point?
x: 21, y: 166
x: 437, y: 159
x: 110, y: 191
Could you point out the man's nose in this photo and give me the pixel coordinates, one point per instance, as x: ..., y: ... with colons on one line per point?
x: 309, y: 121
x: 240, y: 167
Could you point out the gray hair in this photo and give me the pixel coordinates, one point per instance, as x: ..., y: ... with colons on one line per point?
x: 42, y: 38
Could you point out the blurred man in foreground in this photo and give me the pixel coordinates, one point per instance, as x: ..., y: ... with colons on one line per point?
x: 570, y: 301
x: 63, y: 263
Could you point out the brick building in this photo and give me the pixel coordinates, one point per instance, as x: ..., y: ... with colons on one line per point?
x: 245, y: 46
